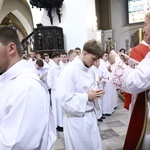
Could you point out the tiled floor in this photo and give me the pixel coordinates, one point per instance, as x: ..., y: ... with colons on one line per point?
x: 112, y: 130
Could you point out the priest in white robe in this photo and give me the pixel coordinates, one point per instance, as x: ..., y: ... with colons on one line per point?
x: 134, y: 81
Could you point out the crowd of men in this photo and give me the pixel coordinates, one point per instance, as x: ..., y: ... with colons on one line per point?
x: 69, y: 92
x: 48, y: 70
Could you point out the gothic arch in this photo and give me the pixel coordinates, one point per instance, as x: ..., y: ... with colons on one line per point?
x: 18, y: 14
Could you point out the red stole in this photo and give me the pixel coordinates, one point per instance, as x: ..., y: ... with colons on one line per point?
x: 137, y: 125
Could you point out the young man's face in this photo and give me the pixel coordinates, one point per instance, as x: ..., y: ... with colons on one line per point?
x: 37, y: 66
x: 97, y: 63
x: 38, y: 56
x: 63, y: 58
x: 72, y: 56
x: 32, y: 54
x: 78, y: 52
x: 105, y: 57
x: 47, y: 59
x: 56, y: 60
x: 89, y: 59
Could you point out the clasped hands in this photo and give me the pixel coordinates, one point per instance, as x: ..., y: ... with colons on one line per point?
x: 93, y: 94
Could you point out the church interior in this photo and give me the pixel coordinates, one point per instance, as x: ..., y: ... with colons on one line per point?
x: 45, y: 27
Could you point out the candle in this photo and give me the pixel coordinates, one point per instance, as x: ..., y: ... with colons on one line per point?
x: 140, y: 35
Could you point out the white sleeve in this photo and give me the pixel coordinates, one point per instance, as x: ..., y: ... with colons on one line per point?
x: 132, y: 80
x: 25, y: 117
x: 72, y: 100
x: 51, y: 78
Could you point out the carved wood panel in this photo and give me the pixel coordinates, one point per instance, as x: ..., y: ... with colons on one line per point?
x: 48, y: 38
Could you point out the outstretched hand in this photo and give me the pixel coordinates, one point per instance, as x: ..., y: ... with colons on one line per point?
x: 124, y: 57
x: 112, y: 56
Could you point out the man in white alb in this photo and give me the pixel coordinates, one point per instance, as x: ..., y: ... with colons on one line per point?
x: 75, y: 94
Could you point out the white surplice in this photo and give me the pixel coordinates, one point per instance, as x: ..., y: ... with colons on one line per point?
x: 62, y: 64
x: 52, y: 77
x: 26, y: 120
x: 80, y: 124
x: 134, y: 81
x: 110, y: 97
x: 96, y: 73
x: 42, y: 72
x: 32, y: 62
x: 114, y: 93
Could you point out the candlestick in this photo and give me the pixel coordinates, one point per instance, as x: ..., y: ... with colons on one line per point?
x: 140, y: 35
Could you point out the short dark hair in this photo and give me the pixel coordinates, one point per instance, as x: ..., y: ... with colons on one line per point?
x: 104, y: 53
x: 122, y: 49
x: 77, y: 48
x: 40, y: 62
x: 63, y: 53
x: 7, y: 35
x: 45, y: 54
x: 55, y: 54
x: 93, y: 47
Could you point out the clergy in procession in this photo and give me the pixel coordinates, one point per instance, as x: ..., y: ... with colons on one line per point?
x: 109, y: 101
x: 52, y: 76
x: 98, y: 83
x: 41, y: 72
x: 26, y: 120
x: 134, y: 81
x: 63, y: 60
x: 71, y: 55
x: 32, y: 59
x: 75, y: 94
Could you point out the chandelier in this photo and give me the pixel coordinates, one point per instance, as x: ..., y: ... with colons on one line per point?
x: 49, y: 5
